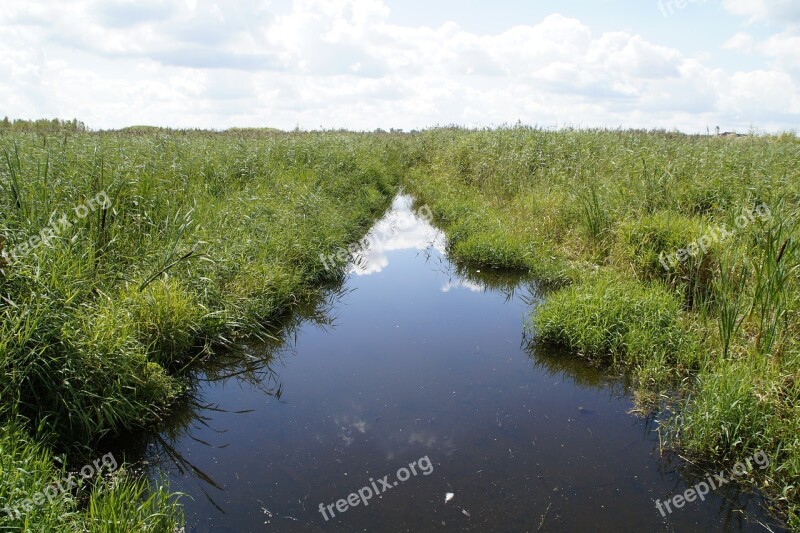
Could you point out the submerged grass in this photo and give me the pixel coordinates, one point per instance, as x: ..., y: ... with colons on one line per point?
x: 600, y: 213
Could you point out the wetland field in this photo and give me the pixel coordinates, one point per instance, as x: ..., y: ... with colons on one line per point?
x: 514, y: 329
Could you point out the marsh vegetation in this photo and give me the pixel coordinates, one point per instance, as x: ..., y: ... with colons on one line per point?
x: 713, y: 338
x: 210, y: 238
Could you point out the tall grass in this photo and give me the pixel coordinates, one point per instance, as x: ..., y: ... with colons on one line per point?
x: 211, y: 237
x: 621, y: 320
x: 119, y: 502
x: 208, y: 238
x: 599, y: 210
x: 595, y: 218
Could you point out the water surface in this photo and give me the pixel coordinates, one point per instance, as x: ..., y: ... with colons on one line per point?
x: 416, y: 358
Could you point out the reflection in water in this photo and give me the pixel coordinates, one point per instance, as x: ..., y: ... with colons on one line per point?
x: 735, y: 508
x: 399, y: 229
x: 248, y: 363
x: 403, y: 229
x: 426, y: 358
x: 559, y: 363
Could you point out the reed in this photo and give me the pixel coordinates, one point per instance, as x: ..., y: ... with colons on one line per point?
x: 598, y: 210
x: 207, y: 238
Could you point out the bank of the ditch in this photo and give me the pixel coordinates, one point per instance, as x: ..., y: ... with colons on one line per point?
x: 128, y: 257
x: 131, y: 255
x: 675, y: 258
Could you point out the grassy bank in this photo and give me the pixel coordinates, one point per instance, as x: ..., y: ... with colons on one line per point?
x: 115, y: 501
x: 129, y: 257
x: 132, y: 257
x: 675, y: 258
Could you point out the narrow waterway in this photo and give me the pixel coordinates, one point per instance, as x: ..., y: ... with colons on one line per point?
x: 417, y: 361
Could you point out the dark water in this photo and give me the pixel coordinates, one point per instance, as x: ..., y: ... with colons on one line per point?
x: 413, y: 359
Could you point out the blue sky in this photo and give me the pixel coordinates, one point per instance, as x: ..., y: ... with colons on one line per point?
x: 364, y: 64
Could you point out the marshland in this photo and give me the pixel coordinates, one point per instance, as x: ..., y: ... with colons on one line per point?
x: 591, y: 321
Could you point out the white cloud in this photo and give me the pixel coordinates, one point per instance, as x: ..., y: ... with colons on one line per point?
x: 784, y: 48
x: 760, y: 93
x: 741, y: 42
x: 782, y: 11
x: 343, y: 63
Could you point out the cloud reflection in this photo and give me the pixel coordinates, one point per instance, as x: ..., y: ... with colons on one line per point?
x: 399, y: 229
x: 458, y: 283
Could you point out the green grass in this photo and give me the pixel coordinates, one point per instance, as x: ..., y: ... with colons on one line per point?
x: 621, y: 321
x: 209, y: 238
x: 594, y: 212
x: 115, y: 501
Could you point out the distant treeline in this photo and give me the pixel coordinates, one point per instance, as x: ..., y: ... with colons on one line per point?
x: 42, y: 125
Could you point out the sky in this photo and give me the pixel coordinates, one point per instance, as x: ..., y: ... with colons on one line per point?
x: 687, y: 65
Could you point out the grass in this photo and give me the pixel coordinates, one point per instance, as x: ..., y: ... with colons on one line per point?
x: 595, y: 213
x: 211, y: 238
x: 117, y: 502
x: 614, y: 319
x: 206, y: 239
